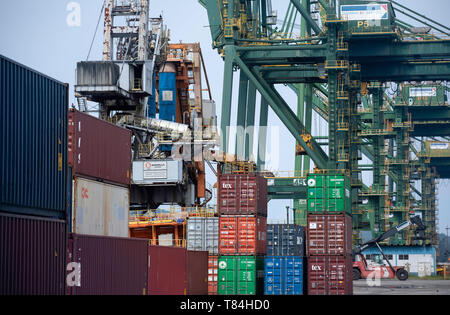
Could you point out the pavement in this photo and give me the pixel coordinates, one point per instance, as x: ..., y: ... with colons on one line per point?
x: 408, y: 287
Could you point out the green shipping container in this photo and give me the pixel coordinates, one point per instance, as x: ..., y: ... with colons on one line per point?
x: 316, y: 193
x: 316, y: 181
x: 240, y: 275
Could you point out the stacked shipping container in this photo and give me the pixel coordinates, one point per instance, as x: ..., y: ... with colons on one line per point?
x: 329, y: 235
x: 100, y: 160
x: 203, y: 235
x: 242, y: 200
x: 33, y: 181
x: 284, y: 263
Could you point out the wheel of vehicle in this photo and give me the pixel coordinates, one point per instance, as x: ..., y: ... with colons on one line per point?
x: 356, y: 274
x: 402, y: 274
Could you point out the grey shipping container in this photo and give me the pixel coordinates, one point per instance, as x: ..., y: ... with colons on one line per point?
x: 33, y: 146
x: 101, y: 265
x: 32, y: 255
x: 203, y: 234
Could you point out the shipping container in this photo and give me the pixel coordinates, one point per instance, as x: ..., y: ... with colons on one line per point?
x: 424, y: 95
x: 285, y: 240
x: 283, y: 275
x: 98, y: 149
x: 328, y: 193
x: 242, y: 194
x: 99, y: 209
x: 32, y: 255
x: 330, y: 275
x: 241, y: 275
x: 212, y: 274
x: 151, y: 172
x: 203, y: 234
x: 101, y: 265
x: 329, y: 234
x: 167, y: 270
x: 33, y: 133
x: 242, y: 235
x: 197, y: 273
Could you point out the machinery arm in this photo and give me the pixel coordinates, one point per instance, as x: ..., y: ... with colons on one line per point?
x: 374, y: 242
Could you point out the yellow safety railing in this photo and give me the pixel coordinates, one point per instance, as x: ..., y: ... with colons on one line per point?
x: 137, y: 85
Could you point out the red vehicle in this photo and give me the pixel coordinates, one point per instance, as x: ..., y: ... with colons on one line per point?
x: 361, y: 269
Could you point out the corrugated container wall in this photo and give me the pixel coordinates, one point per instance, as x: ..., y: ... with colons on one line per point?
x: 330, y: 275
x: 203, y: 234
x: 196, y: 273
x: 33, y: 146
x: 241, y: 275
x: 242, y: 194
x: 167, y: 270
x: 242, y: 235
x: 285, y: 240
x: 99, y: 265
x: 98, y: 149
x: 329, y: 234
x: 212, y: 275
x: 99, y: 209
x: 32, y: 255
x: 284, y: 275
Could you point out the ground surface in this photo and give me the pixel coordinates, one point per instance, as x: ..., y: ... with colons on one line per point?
x: 410, y: 287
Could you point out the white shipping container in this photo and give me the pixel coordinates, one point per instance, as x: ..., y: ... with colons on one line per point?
x: 99, y: 209
x: 152, y: 172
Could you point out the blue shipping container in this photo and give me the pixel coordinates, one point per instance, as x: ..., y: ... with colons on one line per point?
x: 283, y: 275
x: 33, y: 146
x: 167, y: 100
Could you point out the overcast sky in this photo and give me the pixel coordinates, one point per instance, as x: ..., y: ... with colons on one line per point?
x: 36, y: 34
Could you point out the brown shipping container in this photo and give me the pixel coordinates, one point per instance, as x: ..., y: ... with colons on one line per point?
x: 242, y: 235
x: 197, y: 273
x: 329, y: 234
x: 167, y: 270
x: 330, y: 275
x: 98, y: 149
x: 242, y: 194
x: 32, y: 255
x: 212, y: 275
x: 101, y: 265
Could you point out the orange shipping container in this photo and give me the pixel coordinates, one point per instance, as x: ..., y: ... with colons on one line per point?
x: 242, y: 235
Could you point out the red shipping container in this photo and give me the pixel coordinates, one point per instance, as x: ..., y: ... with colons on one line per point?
x: 101, y: 265
x: 242, y: 194
x: 330, y: 275
x: 242, y: 235
x: 212, y: 275
x: 32, y: 255
x: 329, y: 234
x: 197, y: 273
x: 167, y: 270
x: 98, y: 149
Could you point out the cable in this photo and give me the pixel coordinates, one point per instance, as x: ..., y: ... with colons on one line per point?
x: 95, y: 33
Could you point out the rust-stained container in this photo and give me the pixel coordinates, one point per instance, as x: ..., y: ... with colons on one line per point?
x: 329, y: 234
x: 101, y: 265
x: 330, y: 275
x: 196, y: 273
x: 99, y: 209
x: 242, y: 235
x: 212, y: 275
x: 167, y: 270
x: 242, y: 194
x: 99, y: 150
x: 32, y: 255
